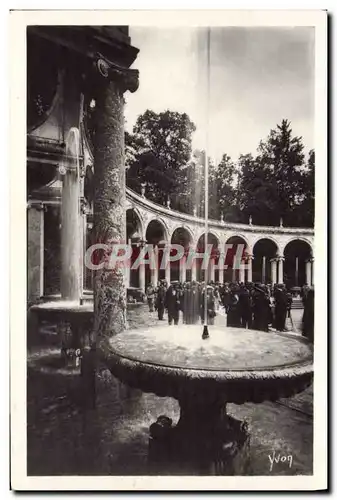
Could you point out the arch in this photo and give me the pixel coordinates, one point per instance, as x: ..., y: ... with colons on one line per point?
x: 264, y: 251
x: 297, y: 253
x: 269, y: 238
x: 160, y: 221
x: 240, y: 236
x: 210, y: 233
x: 299, y: 238
x: 183, y: 228
x: 140, y: 222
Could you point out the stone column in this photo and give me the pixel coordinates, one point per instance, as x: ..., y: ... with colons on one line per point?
x: 70, y: 231
x: 35, y: 250
x: 242, y: 273
x: 312, y: 271
x: 296, y: 271
x: 141, y: 271
x: 250, y: 268
x: 154, y: 272
x: 308, y: 277
x: 263, y: 269
x: 168, y: 273
x: 211, y: 270
x: 280, y: 269
x: 182, y: 270
x: 128, y: 268
x: 273, y: 263
x: 193, y: 270
x: 109, y: 202
x: 221, y: 269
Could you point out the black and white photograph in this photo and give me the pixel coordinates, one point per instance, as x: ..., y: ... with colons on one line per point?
x: 173, y: 182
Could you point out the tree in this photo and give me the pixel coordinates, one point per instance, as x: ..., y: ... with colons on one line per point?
x: 271, y: 183
x: 222, y: 191
x: 157, y: 152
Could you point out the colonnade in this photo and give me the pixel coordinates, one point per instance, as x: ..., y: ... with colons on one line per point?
x: 243, y: 274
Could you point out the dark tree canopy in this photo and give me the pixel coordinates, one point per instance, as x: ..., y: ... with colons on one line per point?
x: 157, y: 153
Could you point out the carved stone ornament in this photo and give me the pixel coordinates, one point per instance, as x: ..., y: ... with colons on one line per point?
x: 128, y: 79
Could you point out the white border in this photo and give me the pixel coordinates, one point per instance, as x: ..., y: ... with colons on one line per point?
x: 18, y: 22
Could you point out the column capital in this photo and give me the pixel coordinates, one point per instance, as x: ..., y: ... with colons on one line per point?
x: 280, y: 257
x: 127, y: 79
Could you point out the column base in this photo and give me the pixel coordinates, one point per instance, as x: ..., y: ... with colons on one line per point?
x: 206, y: 441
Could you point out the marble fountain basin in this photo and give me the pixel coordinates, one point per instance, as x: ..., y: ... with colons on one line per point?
x: 238, y: 365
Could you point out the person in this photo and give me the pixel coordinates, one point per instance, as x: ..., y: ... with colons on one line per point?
x: 308, y: 316
x: 233, y: 308
x: 225, y: 296
x: 261, y: 308
x: 216, y: 293
x: 150, y: 294
x: 160, y: 300
x: 281, y: 307
x: 210, y: 305
x: 172, y: 303
x: 245, y: 307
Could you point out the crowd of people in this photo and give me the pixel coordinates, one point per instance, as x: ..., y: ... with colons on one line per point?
x: 247, y: 305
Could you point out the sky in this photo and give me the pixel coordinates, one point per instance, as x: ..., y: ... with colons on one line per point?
x: 257, y: 77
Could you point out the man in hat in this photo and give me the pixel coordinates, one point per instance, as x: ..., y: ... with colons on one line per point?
x: 261, y: 308
x: 172, y: 303
x: 281, y: 303
x: 160, y: 300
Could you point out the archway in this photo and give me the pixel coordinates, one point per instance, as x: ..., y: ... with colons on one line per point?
x: 265, y: 251
x: 298, y: 263
x: 134, y: 237
x: 235, y: 247
x: 155, y: 234
x: 213, y: 274
x: 181, y: 236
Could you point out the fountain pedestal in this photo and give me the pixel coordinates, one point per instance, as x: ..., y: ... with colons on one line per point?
x: 232, y: 366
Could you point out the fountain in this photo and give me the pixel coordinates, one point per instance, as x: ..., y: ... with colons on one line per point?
x: 72, y: 315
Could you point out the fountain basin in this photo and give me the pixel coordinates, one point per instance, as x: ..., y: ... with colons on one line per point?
x: 234, y: 364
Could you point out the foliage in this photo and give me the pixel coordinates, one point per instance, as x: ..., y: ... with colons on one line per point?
x: 157, y: 153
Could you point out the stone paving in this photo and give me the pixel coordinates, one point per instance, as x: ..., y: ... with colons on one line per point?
x: 113, y: 438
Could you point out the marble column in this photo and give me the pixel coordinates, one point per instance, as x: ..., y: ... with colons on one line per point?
x: 211, y: 270
x: 128, y: 267
x: 194, y: 270
x: 250, y: 268
x: 308, y: 277
x: 242, y: 273
x: 263, y: 269
x: 154, y: 271
x: 141, y: 270
x: 280, y: 269
x: 70, y: 232
x: 221, y: 270
x: 35, y: 250
x: 273, y: 264
x: 296, y: 271
x: 109, y: 202
x: 182, y: 270
x: 168, y: 273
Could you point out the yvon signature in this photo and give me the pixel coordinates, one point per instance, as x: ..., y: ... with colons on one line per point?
x: 278, y: 457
